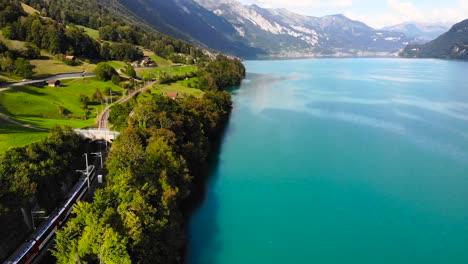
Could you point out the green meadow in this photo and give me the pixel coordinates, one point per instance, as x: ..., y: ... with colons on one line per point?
x: 12, y: 136
x: 171, y: 71
x: 47, y: 106
x: 93, y: 33
x: 48, y: 67
x: 181, y: 87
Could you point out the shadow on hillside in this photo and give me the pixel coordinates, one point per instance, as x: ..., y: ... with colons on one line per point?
x: 25, y: 89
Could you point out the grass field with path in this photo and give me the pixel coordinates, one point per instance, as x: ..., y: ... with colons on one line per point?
x: 12, y: 136
x: 48, y: 106
x: 50, y: 67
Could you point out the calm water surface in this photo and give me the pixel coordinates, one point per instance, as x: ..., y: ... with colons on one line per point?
x: 341, y: 161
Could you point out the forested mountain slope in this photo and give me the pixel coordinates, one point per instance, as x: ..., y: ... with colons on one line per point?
x: 450, y: 45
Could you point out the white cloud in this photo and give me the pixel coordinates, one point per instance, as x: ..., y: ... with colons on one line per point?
x: 399, y: 12
x: 294, y: 4
x: 404, y: 10
x: 394, y: 12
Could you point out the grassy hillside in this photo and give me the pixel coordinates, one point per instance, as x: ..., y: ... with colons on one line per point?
x: 12, y: 44
x: 12, y: 136
x: 91, y: 32
x: 48, y: 67
x: 28, y: 9
x: 48, y: 106
x: 181, y: 87
x: 171, y: 71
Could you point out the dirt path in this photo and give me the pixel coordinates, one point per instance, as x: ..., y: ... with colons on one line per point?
x: 9, y: 120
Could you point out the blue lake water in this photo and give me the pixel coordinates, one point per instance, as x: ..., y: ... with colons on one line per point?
x: 341, y: 161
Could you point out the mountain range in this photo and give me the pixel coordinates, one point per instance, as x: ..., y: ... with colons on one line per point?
x: 283, y: 33
x: 450, y: 45
x: 250, y: 31
x: 188, y: 20
x: 253, y: 31
x: 422, y: 32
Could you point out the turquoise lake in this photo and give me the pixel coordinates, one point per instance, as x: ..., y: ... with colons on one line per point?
x: 341, y: 161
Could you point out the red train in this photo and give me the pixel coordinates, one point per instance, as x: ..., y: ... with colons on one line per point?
x: 30, y: 249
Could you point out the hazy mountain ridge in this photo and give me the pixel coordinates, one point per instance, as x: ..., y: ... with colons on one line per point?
x: 423, y: 32
x: 281, y: 32
x: 450, y: 45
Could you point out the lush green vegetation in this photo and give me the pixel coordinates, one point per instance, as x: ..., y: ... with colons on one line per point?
x: 221, y: 73
x: 91, y: 32
x: 36, y: 176
x: 183, y: 88
x: 163, y: 72
x: 150, y: 169
x: 104, y: 72
x: 38, y: 171
x: 47, y: 106
x: 12, y: 136
x: 164, y: 146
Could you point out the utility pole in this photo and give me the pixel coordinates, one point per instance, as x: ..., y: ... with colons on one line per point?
x: 106, y: 140
x: 87, y: 168
x: 99, y: 154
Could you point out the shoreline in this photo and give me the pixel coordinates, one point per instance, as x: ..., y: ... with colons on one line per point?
x: 199, y: 185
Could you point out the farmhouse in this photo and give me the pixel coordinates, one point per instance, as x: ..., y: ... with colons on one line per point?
x: 53, y: 83
x: 71, y: 57
x: 145, y: 62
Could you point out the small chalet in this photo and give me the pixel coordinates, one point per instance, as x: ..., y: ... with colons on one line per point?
x: 53, y: 83
x: 71, y: 57
x: 173, y: 95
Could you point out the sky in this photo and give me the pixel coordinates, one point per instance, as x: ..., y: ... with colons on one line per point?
x: 377, y: 13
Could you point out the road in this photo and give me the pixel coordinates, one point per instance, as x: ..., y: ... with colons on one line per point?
x: 55, y: 77
x: 104, y: 115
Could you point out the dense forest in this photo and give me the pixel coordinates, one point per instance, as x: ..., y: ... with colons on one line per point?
x: 36, y: 176
x: 137, y: 217
x: 39, y: 171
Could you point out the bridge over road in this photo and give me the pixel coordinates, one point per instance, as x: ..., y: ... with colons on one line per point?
x: 97, y: 135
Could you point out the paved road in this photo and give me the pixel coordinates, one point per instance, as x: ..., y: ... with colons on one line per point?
x: 104, y: 115
x: 55, y: 77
